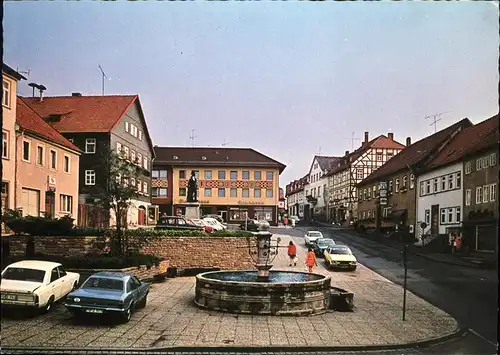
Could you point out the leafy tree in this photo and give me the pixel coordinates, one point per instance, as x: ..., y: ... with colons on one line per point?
x: 115, y: 188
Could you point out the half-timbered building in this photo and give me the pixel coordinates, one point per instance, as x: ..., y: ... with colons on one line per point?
x: 295, y: 197
x: 354, y: 167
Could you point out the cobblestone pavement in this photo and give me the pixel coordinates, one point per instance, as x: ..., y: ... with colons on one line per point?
x: 171, y: 319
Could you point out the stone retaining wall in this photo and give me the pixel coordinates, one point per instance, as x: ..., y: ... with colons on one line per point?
x: 182, y: 252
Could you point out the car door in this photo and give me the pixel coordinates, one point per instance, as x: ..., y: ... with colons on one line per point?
x: 66, y: 283
x: 55, y: 284
x: 136, y: 286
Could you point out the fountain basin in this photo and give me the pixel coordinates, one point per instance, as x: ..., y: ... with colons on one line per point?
x: 284, y: 293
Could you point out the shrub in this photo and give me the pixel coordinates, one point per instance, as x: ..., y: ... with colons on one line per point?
x: 37, y: 225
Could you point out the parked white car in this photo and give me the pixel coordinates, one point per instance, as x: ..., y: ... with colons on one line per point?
x: 311, y: 237
x: 36, y: 284
x: 215, y: 224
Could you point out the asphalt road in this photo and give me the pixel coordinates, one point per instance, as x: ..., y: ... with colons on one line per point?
x: 468, y: 294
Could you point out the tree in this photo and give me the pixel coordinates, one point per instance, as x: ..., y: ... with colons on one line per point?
x: 116, y: 187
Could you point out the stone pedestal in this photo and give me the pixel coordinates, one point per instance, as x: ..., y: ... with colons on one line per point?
x: 193, y: 210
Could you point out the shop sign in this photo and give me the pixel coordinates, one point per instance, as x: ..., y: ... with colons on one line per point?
x: 382, y: 190
x: 383, y: 200
x: 203, y: 202
x: 241, y: 202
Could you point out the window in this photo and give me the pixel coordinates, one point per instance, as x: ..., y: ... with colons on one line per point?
x: 233, y: 192
x: 233, y: 175
x: 245, y: 175
x: 39, y: 155
x: 493, y: 159
x: 468, y: 168
x: 221, y: 192
x: 493, y: 192
x: 479, y: 164
x: 66, y: 203
x: 139, y: 187
x: 458, y: 182
x: 397, y: 185
x: 479, y: 194
x: 257, y: 175
x: 132, y: 156
x: 436, y: 183
x: 486, y: 193
x: 182, y: 191
x: 90, y: 145
x: 54, y: 275
x: 89, y: 177
x: 132, y: 182
x: 67, y: 163
x: 451, y: 182
x: 359, y: 174
x: 6, y: 94
x: 369, y: 193
x: 163, y: 192
x: 390, y: 186
x: 221, y: 175
x: 443, y: 183
x: 269, y: 175
x: 422, y: 189
x: 245, y: 192
x: 139, y: 159
x: 207, y: 192
x: 443, y: 216
x: 140, y: 135
x: 374, y: 191
x: 405, y: 181
x: 412, y: 181
x: 428, y: 217
x: 53, y: 159
x: 182, y: 174
x: 380, y: 156
x: 458, y: 215
x: 390, y: 153
x: 468, y: 197
x: 126, y: 127
x: 486, y: 162
x: 145, y: 163
x: 5, y: 145
x: 118, y: 148
x: 126, y: 154
x: 269, y: 193
x: 450, y: 215
x: 26, y: 151
x: 257, y: 193
x: 208, y: 174
x: 427, y: 187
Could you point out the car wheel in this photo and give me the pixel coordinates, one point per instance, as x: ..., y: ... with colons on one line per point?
x: 143, y: 302
x: 75, y: 285
x: 353, y: 268
x: 125, y: 316
x: 48, y: 306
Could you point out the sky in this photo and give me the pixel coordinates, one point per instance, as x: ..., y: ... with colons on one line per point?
x: 289, y: 79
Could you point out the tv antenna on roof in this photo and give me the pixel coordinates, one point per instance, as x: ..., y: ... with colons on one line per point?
x: 192, y: 137
x: 435, y: 119
x: 104, y: 76
x: 27, y: 72
x: 225, y: 143
x: 319, y: 150
x: 352, y: 140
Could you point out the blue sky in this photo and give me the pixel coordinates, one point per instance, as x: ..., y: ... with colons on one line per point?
x: 285, y: 78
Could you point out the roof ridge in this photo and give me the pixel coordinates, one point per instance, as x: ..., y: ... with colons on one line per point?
x: 77, y: 97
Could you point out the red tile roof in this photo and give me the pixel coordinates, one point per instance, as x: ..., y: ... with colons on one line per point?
x: 416, y: 153
x: 378, y: 142
x: 83, y: 113
x: 470, y: 140
x: 29, y: 120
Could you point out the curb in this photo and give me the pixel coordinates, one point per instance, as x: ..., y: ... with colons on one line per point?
x: 459, y: 331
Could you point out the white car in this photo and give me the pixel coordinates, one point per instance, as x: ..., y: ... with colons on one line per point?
x: 311, y: 236
x: 215, y: 224
x: 36, y: 284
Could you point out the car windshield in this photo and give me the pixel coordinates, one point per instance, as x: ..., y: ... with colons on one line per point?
x: 341, y: 251
x: 325, y: 242
x: 23, y: 274
x: 211, y: 222
x: 197, y: 222
x: 103, y: 283
x: 315, y: 234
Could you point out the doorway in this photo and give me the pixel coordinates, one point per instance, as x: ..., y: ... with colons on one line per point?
x: 434, y: 220
x: 50, y: 204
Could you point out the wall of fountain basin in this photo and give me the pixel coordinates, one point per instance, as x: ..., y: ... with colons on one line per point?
x: 283, y: 293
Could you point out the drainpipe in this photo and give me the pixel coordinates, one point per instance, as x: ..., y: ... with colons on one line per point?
x: 19, y: 133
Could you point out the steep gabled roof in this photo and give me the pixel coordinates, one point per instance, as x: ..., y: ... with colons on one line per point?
x: 470, y: 140
x: 326, y: 162
x: 199, y: 156
x: 417, y: 153
x: 30, y: 121
x: 377, y: 142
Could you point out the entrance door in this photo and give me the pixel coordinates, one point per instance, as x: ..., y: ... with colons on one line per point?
x: 50, y: 204
x: 141, y: 220
x: 434, y: 220
x: 223, y: 214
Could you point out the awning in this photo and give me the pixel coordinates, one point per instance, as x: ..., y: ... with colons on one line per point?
x: 397, y: 214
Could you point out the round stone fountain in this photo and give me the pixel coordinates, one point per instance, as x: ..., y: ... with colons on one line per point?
x: 263, y: 291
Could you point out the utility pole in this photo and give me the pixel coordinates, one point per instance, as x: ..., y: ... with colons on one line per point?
x: 103, y: 77
x: 435, y: 119
x: 352, y: 140
x: 192, y: 137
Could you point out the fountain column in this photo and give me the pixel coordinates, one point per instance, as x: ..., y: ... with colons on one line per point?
x: 263, y: 254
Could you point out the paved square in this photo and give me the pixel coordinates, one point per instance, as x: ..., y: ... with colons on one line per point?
x: 171, y: 319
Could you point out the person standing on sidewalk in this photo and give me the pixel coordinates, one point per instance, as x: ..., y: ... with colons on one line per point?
x: 292, y: 253
x: 311, y: 260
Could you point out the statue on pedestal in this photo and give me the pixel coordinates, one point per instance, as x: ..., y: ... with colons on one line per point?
x: 192, y: 189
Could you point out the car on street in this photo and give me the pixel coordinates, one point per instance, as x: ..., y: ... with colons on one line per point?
x: 321, y: 245
x: 214, y: 223
x: 36, y: 284
x: 340, y: 257
x: 109, y: 293
x: 311, y: 237
x: 250, y: 225
x: 216, y: 216
x: 174, y: 222
x: 201, y: 223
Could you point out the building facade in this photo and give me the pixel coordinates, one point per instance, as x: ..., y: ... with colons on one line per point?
x: 295, y: 195
x: 10, y: 79
x: 232, y: 182
x: 351, y: 169
x: 98, y: 125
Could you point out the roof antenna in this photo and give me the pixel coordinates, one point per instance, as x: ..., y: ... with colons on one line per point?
x: 27, y: 72
x: 435, y: 119
x: 319, y: 150
x: 104, y: 76
x: 192, y: 137
x: 352, y: 140
x: 225, y: 143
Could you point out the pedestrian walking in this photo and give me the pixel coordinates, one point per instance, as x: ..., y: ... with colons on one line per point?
x: 293, y: 222
x: 311, y: 260
x: 285, y: 221
x: 292, y: 253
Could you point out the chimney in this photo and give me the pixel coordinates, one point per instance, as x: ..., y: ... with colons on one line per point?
x: 42, y: 89
x: 76, y: 94
x: 366, y: 137
x: 408, y: 141
x: 346, y: 153
x: 390, y: 135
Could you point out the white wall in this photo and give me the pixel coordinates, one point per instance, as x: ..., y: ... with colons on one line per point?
x: 292, y: 200
x: 446, y: 199
x: 316, y: 183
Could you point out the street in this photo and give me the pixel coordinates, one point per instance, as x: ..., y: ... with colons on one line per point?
x: 468, y: 294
